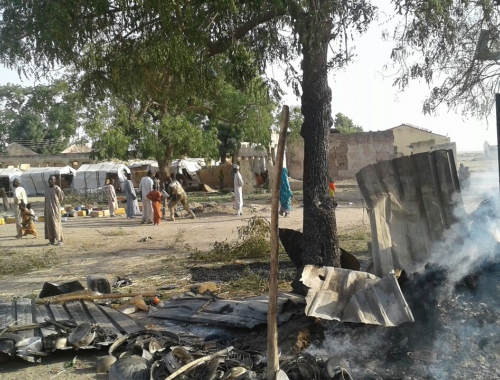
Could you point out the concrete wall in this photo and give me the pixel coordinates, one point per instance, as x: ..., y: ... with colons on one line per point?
x: 490, y: 151
x: 452, y: 146
x: 422, y: 146
x: 348, y: 153
x: 405, y: 135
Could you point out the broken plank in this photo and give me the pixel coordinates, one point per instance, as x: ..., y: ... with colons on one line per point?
x: 24, y: 316
x: 6, y: 317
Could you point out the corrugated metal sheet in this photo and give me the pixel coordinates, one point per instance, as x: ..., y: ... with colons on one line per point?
x: 351, y: 296
x: 25, y: 311
x: 247, y: 313
x: 411, y: 201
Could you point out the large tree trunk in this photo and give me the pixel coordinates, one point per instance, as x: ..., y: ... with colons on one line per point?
x: 320, y: 227
x: 164, y: 164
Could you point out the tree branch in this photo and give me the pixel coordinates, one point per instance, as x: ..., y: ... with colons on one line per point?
x: 223, y: 44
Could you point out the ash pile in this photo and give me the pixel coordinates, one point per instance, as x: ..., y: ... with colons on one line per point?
x: 448, y: 267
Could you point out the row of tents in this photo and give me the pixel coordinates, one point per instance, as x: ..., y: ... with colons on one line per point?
x: 88, y: 176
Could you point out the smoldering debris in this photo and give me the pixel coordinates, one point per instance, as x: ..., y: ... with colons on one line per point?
x: 353, y: 296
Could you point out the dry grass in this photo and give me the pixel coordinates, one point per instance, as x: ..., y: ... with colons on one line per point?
x: 250, y: 284
x: 253, y: 243
x: 14, y: 263
x: 118, y: 232
x: 356, y: 239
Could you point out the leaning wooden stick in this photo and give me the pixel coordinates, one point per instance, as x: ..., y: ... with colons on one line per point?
x: 89, y: 297
x: 272, y: 311
x: 194, y: 363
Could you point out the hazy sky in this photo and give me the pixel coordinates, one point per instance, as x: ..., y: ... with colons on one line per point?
x: 363, y: 92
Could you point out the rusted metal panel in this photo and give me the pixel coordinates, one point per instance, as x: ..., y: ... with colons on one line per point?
x: 25, y: 311
x: 411, y: 201
x: 351, y: 296
x: 246, y: 313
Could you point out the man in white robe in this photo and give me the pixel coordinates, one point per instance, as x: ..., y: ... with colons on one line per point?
x: 145, y: 187
x: 238, y: 190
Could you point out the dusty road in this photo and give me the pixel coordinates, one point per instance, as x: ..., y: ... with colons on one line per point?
x: 111, y: 246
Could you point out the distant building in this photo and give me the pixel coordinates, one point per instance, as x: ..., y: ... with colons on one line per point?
x: 490, y: 151
x: 410, y: 139
x: 20, y: 157
x: 349, y: 152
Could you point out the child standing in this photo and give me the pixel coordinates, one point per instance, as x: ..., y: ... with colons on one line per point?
x: 155, y: 198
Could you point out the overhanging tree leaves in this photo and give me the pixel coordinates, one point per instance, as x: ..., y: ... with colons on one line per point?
x: 164, y: 53
x: 452, y: 45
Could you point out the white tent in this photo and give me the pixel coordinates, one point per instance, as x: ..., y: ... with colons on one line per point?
x: 93, y: 176
x: 192, y: 165
x: 8, y: 175
x: 35, y: 180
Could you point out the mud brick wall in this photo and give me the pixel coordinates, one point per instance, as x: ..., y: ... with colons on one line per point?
x: 349, y: 152
x: 210, y: 175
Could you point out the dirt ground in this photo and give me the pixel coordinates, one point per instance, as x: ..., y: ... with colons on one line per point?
x: 112, y: 246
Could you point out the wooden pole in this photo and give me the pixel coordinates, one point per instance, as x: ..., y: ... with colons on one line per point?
x: 272, y: 322
x: 89, y: 297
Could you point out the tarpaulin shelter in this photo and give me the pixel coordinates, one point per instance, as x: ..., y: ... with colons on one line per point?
x: 93, y: 176
x: 35, y: 180
x: 8, y: 175
x: 183, y: 169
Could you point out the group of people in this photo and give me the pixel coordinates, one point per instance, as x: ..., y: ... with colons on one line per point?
x: 154, y: 198
x: 153, y: 209
x: 25, y: 216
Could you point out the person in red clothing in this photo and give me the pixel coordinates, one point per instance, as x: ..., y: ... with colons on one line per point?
x: 331, y: 189
x: 155, y: 197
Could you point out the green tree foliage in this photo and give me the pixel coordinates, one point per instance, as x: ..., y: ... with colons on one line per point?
x: 43, y: 118
x: 345, y: 125
x: 457, y: 44
x: 117, y: 132
x: 295, y: 124
x: 164, y: 54
x: 241, y: 116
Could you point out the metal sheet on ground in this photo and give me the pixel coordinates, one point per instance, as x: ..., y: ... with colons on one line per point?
x: 351, y: 296
x: 246, y: 313
x: 26, y: 312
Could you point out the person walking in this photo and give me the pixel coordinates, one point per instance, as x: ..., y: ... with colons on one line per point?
x: 177, y: 194
x: 112, y: 200
x: 155, y: 197
x: 145, y: 187
x: 20, y: 201
x: 53, y: 227
x: 238, y: 190
x: 285, y: 194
